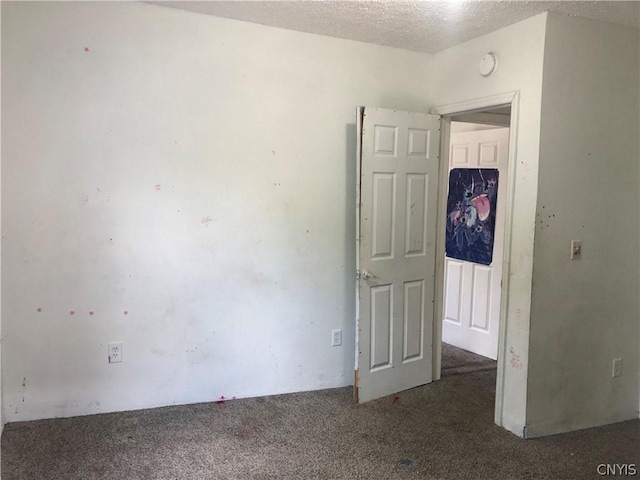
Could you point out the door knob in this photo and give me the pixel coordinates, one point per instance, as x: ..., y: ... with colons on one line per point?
x: 366, y: 275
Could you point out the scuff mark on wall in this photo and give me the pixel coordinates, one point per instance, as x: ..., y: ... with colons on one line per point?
x: 159, y: 351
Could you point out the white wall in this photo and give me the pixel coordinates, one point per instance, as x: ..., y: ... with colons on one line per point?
x: 585, y: 312
x: 519, y: 49
x: 235, y: 268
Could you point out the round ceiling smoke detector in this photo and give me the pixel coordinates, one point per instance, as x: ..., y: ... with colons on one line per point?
x: 488, y: 64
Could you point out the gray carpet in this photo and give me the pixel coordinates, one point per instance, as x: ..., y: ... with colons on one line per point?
x: 456, y: 361
x: 441, y: 431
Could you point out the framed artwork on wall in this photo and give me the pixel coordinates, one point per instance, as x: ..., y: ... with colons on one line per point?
x: 471, y: 214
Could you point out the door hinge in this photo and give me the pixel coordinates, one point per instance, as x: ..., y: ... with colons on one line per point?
x: 358, y: 275
x: 356, y: 386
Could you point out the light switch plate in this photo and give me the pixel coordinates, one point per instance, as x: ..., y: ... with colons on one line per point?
x: 617, y: 368
x: 576, y: 249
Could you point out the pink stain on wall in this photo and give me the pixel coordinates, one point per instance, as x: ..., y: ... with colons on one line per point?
x: 126, y: 312
x: 39, y: 309
x: 86, y: 49
x: 515, y: 360
x: 72, y: 312
x: 158, y: 186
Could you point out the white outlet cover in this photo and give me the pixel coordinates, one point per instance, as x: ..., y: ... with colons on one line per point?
x: 114, y: 352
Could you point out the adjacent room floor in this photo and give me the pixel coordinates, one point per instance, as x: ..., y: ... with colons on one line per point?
x: 440, y: 431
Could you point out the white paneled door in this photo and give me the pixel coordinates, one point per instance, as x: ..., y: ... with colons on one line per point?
x: 472, y: 291
x: 398, y: 191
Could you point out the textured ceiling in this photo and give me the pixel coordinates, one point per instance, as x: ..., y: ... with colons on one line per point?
x: 421, y: 25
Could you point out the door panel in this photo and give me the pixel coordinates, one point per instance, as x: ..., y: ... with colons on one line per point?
x: 381, y: 323
x: 460, y: 156
x: 488, y: 154
x: 481, y: 298
x: 383, y: 213
x: 398, y: 184
x: 453, y: 294
x: 413, y: 347
x: 472, y: 291
x: 417, y: 194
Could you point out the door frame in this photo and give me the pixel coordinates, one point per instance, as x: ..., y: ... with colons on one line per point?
x: 447, y: 112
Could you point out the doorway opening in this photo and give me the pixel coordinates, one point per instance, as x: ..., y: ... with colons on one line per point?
x: 476, y: 160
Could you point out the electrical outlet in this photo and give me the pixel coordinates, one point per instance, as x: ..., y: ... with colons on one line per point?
x: 336, y: 338
x: 576, y: 249
x: 115, y: 352
x: 617, y: 367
